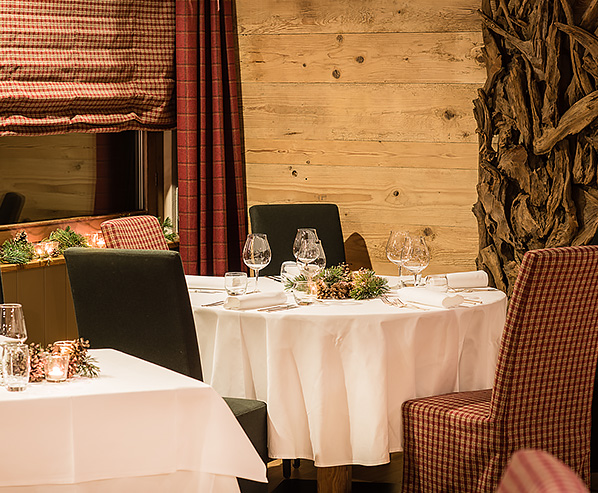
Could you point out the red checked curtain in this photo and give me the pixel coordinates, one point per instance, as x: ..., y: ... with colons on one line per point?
x: 86, y: 66
x: 212, y: 210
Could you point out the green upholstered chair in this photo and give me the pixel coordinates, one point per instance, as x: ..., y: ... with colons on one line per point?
x: 281, y: 221
x: 136, y: 301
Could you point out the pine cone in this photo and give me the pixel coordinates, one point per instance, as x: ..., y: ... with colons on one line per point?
x: 37, y: 370
x: 21, y: 237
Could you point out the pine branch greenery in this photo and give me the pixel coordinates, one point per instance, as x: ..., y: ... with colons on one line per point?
x: 338, y: 282
x: 80, y: 362
x: 168, y: 229
x: 366, y: 284
x: 67, y: 238
x: 17, y: 250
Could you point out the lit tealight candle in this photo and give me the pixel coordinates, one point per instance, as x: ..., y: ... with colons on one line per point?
x: 40, y: 251
x: 57, y: 366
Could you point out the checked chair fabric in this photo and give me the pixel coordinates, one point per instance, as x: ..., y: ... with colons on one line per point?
x: 542, y: 391
x: 134, y: 232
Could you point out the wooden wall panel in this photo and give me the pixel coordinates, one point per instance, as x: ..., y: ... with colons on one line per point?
x: 44, y: 291
x: 360, y: 112
x: 56, y: 173
x: 332, y: 16
x: 367, y: 105
x: 444, y: 155
x: 359, y: 58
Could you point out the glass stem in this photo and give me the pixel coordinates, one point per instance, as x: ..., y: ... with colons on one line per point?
x: 418, y: 279
x: 401, y: 283
x: 257, y: 275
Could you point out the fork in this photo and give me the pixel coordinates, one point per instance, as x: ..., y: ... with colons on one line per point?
x: 401, y: 304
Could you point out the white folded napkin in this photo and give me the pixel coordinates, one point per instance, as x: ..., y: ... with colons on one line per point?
x: 255, y: 300
x: 473, y: 279
x: 429, y: 297
x: 205, y: 282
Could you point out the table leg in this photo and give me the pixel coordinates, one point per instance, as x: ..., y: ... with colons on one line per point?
x: 334, y: 479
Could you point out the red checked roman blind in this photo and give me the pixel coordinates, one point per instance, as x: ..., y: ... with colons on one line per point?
x: 86, y: 66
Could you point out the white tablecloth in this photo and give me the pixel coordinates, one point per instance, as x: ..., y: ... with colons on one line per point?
x: 335, y: 374
x: 138, y: 427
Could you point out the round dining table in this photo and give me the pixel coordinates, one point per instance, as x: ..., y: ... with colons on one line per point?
x: 335, y: 373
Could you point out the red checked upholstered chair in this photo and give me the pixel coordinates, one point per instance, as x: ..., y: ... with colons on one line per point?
x: 542, y: 391
x: 536, y: 471
x: 134, y: 232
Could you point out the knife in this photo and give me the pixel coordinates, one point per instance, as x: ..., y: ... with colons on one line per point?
x: 277, y: 308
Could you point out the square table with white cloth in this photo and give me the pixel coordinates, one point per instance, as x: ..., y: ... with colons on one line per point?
x: 136, y: 427
x: 335, y: 373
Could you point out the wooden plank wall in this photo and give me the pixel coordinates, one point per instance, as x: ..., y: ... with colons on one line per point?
x: 44, y: 291
x: 367, y: 105
x: 56, y: 173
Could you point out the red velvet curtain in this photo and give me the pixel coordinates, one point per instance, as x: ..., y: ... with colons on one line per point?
x: 212, y: 204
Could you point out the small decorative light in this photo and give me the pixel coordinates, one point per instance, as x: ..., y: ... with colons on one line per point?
x: 45, y: 249
x: 96, y: 240
x: 57, y: 367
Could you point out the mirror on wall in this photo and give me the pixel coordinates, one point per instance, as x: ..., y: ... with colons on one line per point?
x: 61, y: 176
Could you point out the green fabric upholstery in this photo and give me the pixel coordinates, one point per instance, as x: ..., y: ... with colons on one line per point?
x: 136, y: 301
x: 252, y: 416
x: 281, y: 221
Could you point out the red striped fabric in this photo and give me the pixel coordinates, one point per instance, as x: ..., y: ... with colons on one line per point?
x: 536, y: 471
x: 212, y: 203
x: 86, y: 66
x: 134, y: 232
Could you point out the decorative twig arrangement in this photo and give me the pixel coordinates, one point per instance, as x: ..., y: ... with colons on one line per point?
x: 538, y: 134
x: 338, y: 282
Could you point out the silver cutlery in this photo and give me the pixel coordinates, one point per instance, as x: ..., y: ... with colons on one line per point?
x: 396, y: 301
x: 275, y: 278
x: 215, y: 303
x: 277, y: 308
x: 206, y: 290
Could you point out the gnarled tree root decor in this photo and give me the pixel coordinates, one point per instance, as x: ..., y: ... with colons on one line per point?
x: 538, y: 133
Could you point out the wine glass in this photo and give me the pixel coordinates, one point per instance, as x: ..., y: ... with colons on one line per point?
x: 256, y: 254
x: 308, y: 234
x: 417, y: 258
x: 397, y: 247
x: 317, y: 265
x: 12, y: 323
x: 12, y: 328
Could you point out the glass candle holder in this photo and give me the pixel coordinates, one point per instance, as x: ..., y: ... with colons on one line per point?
x: 57, y: 367
x: 62, y: 347
x: 304, y: 292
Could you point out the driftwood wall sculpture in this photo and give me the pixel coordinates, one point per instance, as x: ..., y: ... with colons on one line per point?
x: 538, y: 133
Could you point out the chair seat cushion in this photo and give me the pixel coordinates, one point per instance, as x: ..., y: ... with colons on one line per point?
x: 445, y: 433
x: 252, y: 417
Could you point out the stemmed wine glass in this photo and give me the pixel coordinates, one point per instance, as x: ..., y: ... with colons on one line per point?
x: 397, y: 247
x: 256, y: 254
x: 317, y: 265
x: 417, y: 258
x: 303, y: 234
x: 308, y: 250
